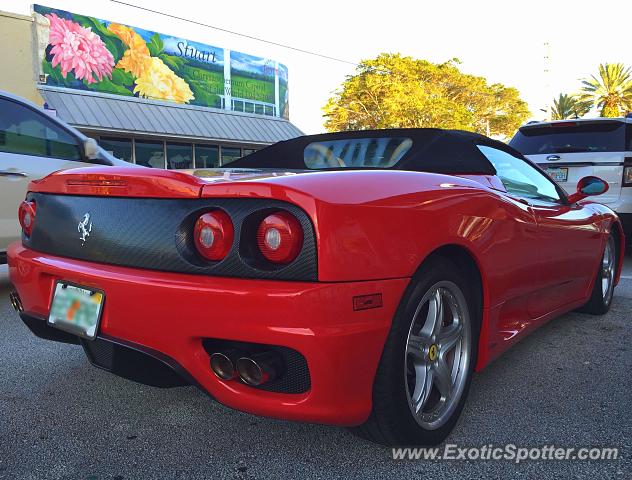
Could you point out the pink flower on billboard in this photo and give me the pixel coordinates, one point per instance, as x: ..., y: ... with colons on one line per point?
x: 78, y: 50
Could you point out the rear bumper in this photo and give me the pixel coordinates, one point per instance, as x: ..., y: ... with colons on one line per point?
x: 626, y: 222
x: 623, y: 204
x: 172, y: 314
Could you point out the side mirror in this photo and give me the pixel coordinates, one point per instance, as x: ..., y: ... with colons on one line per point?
x: 91, y: 149
x: 588, y: 187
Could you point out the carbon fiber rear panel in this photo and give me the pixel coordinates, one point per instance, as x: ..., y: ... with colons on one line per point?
x: 157, y: 234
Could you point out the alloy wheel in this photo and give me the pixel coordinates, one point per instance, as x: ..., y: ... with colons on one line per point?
x: 608, y: 270
x: 438, y: 352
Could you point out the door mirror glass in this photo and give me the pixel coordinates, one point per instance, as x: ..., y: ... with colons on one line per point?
x: 592, y: 186
x: 587, y: 187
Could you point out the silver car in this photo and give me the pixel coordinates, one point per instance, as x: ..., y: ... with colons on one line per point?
x: 572, y: 149
x: 32, y: 145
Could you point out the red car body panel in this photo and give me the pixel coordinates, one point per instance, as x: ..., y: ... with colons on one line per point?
x: 373, y: 231
x: 342, y: 347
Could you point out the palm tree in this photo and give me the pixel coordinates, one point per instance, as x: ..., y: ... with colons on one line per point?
x: 612, y: 91
x: 569, y: 106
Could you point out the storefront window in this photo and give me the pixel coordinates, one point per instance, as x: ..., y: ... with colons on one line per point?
x: 230, y: 154
x: 247, y: 151
x: 119, y: 147
x: 179, y: 155
x: 150, y: 154
x: 206, y: 156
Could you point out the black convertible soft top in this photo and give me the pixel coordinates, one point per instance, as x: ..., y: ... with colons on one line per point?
x: 433, y: 150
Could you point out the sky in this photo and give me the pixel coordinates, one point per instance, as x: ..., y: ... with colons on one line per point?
x: 503, y: 41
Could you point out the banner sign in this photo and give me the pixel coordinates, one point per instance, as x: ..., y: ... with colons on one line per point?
x: 76, y: 51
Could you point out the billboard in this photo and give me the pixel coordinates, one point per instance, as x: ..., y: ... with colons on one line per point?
x: 86, y: 53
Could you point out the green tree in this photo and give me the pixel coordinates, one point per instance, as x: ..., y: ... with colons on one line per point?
x: 611, y: 91
x: 569, y: 106
x: 392, y: 91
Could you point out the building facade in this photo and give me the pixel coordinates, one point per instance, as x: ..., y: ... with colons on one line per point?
x: 149, y: 98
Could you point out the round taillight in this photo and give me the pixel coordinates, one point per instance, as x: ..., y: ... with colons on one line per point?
x: 26, y: 215
x: 280, y: 237
x: 214, y: 235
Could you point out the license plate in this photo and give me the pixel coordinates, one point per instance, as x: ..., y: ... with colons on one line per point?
x: 76, y: 309
x: 558, y: 174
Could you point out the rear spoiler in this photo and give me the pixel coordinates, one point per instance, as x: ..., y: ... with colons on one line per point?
x: 569, y: 123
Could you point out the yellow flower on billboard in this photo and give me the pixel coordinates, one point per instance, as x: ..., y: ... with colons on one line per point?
x: 158, y: 81
x: 137, y: 58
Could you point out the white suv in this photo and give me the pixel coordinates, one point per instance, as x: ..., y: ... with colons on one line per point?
x: 32, y: 145
x: 571, y: 149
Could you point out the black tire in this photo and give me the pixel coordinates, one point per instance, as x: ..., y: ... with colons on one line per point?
x: 391, y: 421
x: 599, y: 303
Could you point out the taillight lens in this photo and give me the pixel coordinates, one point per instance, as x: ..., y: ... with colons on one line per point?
x: 627, y: 176
x: 26, y: 214
x: 214, y: 235
x: 280, y: 237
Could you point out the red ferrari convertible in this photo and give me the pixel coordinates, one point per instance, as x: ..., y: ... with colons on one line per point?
x: 355, y: 279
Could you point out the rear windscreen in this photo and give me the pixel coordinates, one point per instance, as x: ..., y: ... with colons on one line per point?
x: 570, y: 138
x: 356, y: 152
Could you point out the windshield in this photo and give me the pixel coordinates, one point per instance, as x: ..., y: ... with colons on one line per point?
x: 356, y: 152
x: 570, y: 137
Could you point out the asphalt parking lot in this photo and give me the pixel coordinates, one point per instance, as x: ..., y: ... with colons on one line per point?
x: 569, y: 384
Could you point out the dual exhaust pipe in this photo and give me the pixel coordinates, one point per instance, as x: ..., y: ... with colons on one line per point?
x: 16, y: 302
x: 254, y: 370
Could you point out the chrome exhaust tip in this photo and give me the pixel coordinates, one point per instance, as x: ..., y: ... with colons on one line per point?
x: 259, y: 368
x: 223, y: 365
x: 16, y: 302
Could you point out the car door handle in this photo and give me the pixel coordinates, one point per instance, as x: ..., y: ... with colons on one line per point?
x: 7, y: 173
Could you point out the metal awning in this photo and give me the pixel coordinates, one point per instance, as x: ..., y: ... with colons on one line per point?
x: 114, y: 113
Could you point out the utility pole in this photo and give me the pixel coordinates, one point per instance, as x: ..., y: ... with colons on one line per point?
x: 547, y: 80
